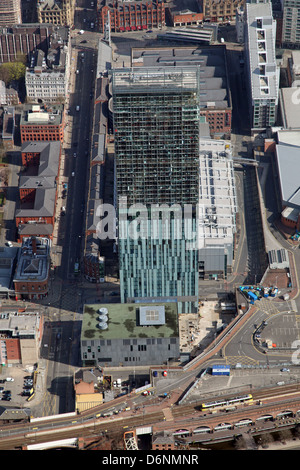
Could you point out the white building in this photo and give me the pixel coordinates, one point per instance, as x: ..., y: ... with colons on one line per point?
x: 217, y: 209
x: 47, y: 77
x: 262, y: 70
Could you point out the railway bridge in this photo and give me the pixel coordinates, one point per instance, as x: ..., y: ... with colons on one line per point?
x: 257, y: 418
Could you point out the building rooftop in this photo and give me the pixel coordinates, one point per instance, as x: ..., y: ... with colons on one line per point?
x: 125, y: 321
x: 289, y: 166
x: 8, y: 257
x: 289, y: 137
x: 43, y: 205
x: 38, y: 229
x: 217, y: 193
x: 210, y: 60
x: 181, y: 6
x: 19, y: 324
x: 261, y: 30
x: 41, y: 115
x: 290, y: 109
x: 155, y: 78
x: 9, y: 413
x: 34, y: 260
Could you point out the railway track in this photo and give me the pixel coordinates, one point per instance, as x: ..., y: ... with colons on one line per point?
x: 276, y: 391
x: 20, y: 435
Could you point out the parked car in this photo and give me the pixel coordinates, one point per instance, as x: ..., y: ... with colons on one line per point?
x: 9, y: 379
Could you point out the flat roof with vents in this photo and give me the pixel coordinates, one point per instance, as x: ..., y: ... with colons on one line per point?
x: 131, y: 320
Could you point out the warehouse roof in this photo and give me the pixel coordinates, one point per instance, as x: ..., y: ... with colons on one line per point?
x: 288, y: 163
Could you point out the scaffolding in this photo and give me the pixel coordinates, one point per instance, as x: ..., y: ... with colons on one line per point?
x: 156, y: 126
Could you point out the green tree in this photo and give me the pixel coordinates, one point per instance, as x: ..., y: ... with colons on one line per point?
x: 11, y: 71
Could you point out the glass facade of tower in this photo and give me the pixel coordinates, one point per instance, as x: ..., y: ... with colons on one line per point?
x: 156, y: 127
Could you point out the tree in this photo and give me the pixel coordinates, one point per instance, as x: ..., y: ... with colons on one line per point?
x: 11, y: 71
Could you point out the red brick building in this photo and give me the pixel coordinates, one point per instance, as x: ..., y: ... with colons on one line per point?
x: 42, y: 123
x: 37, y: 186
x: 33, y: 268
x: 188, y: 18
x: 130, y: 16
x: 219, y: 121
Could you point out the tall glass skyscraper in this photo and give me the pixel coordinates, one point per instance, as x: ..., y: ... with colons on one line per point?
x: 156, y: 129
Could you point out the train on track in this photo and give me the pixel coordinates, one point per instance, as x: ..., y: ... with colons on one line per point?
x: 248, y: 399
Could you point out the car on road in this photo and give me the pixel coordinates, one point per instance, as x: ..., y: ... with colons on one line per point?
x: 74, y: 154
x: 284, y: 370
x: 77, y: 108
x: 9, y: 243
x: 73, y: 173
x: 63, y: 210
